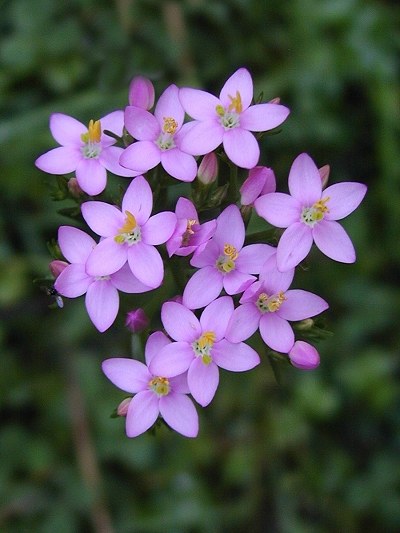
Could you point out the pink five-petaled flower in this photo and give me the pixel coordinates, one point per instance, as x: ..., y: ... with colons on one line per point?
x: 159, y: 137
x: 189, y: 234
x: 102, y: 300
x: 229, y: 119
x: 201, y: 348
x: 310, y: 214
x: 154, y: 394
x: 129, y: 235
x: 87, y: 151
x: 224, y: 263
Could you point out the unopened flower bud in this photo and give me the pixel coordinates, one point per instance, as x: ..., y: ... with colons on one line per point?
x: 304, y: 356
x: 73, y: 187
x: 136, y: 320
x: 276, y: 100
x: 324, y: 173
x: 305, y: 324
x: 208, y: 169
x: 122, y: 409
x: 141, y: 93
x: 261, y: 180
x: 56, y: 267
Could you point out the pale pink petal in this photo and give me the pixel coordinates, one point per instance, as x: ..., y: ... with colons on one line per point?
x: 146, y: 264
x: 179, y: 322
x: 241, y: 147
x: 243, y: 323
x: 127, y: 374
x: 179, y: 165
x: 138, y: 200
x: 208, y: 256
x: 104, y: 219
x: 293, y: 246
x: 344, y: 198
x: 179, y: 384
x: 198, y: 104
x: 263, y: 117
x: 235, y: 282
x: 107, y: 257
x: 125, y: 281
x: 141, y: 156
x: 252, y: 293
x: 304, y: 356
x: 155, y: 343
x: 216, y: 316
x: 202, y: 138
x: 185, y: 209
x: 203, y: 381
x: 159, y: 228
x: 143, y: 411
x: 66, y: 130
x: 75, y: 244
x: 202, y: 288
x: 180, y: 414
x: 91, y: 176
x: 73, y: 281
x: 169, y: 106
x: 203, y: 233
x: 279, y: 209
x: 304, y: 180
x: 252, y: 257
x: 240, y: 82
x: 230, y: 228
x: 113, y: 122
x: 109, y: 158
x: 172, y: 360
x: 276, y: 332
x: 141, y: 124
x: 273, y: 278
x: 301, y: 304
x: 237, y: 357
x: 333, y: 241
x: 61, y: 160
x: 175, y: 241
x: 260, y: 180
x: 102, y: 303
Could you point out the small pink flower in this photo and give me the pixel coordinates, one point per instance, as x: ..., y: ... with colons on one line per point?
x: 310, y: 214
x: 201, y: 347
x: 229, y: 119
x: 304, y: 356
x: 87, y: 151
x: 261, y: 180
x: 141, y: 93
x: 154, y: 395
x: 136, y: 320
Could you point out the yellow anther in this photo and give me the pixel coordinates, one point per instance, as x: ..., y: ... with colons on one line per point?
x: 206, y: 359
x: 93, y: 134
x: 160, y: 386
x: 236, y: 103
x: 206, y: 340
x: 275, y: 302
x: 320, y: 205
x: 220, y: 110
x: 130, y: 223
x: 231, y: 252
x: 191, y: 222
x: 170, y: 125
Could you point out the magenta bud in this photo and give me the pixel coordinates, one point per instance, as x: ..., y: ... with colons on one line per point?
x: 261, y: 180
x: 304, y: 356
x: 122, y: 409
x: 73, y: 187
x: 324, y: 173
x: 208, y: 169
x: 56, y: 267
x: 276, y: 100
x: 136, y: 320
x: 141, y: 93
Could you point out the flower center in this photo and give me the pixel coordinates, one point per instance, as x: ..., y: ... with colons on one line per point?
x: 170, y: 125
x: 160, y: 386
x: 165, y: 140
x: 229, y: 118
x: 130, y: 231
x: 189, y: 232
x: 270, y: 304
x: 226, y: 262
x: 92, y: 146
x: 202, y: 346
x: 315, y: 213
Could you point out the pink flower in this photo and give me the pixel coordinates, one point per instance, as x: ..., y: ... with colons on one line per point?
x: 188, y: 234
x: 224, y: 263
x: 154, y: 395
x: 304, y: 356
x: 136, y: 320
x: 229, y: 119
x: 129, y: 235
x: 159, y: 137
x: 310, y: 214
x: 87, y: 151
x: 201, y: 347
x: 261, y: 180
x: 102, y: 300
x: 141, y: 93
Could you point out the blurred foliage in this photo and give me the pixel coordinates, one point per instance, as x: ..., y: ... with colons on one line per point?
x: 320, y: 451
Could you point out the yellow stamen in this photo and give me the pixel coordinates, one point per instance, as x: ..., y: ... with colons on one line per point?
x: 160, y: 386
x: 93, y: 134
x: 320, y: 205
x: 220, y: 110
x: 170, y: 125
x: 231, y: 252
x: 236, y: 103
x: 206, y: 340
x: 270, y: 303
x: 130, y: 223
x: 191, y: 222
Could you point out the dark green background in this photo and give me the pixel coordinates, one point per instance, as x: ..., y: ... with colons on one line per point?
x: 320, y: 452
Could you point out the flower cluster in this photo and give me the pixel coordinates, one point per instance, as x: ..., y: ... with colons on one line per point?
x: 235, y: 283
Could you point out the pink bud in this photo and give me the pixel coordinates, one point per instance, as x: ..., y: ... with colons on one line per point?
x: 304, y: 356
x: 141, y: 93
x: 122, y: 409
x: 136, y: 320
x: 208, y: 169
x: 56, y: 267
x: 261, y: 180
x: 73, y: 187
x: 276, y: 100
x: 324, y: 173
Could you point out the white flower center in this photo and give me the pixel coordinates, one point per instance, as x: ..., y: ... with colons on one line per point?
x: 311, y: 215
x: 130, y: 231
x: 226, y: 262
x: 160, y: 386
x: 92, y: 147
x: 270, y: 304
x: 202, y: 346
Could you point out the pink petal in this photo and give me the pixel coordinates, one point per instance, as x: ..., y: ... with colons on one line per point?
x: 293, y: 246
x: 260, y: 180
x: 175, y: 241
x: 109, y: 159
x: 141, y: 156
x: 263, y: 117
x: 159, y: 228
x: 91, y: 176
x: 276, y: 280
x: 203, y: 381
x: 198, y: 104
x: 301, y: 304
x: 304, y: 180
x: 241, y: 147
x: 202, y: 288
x: 66, y: 130
x: 106, y: 258
x: 180, y: 414
x: 73, y: 281
x: 104, y: 219
x: 208, y: 256
x: 113, y: 122
x: 61, y: 160
x: 279, y: 209
x: 202, y: 138
x: 125, y: 281
x: 344, y: 198
x: 179, y: 384
x: 243, y: 323
x: 179, y: 165
x: 333, y: 241
x: 237, y: 357
x: 179, y: 322
x: 276, y: 332
x: 230, y: 228
x: 102, y: 303
x: 172, y: 360
x: 138, y: 200
x: 235, y: 282
x: 142, y: 413
x: 185, y: 209
x: 169, y: 106
x: 75, y: 244
x: 155, y: 343
x: 127, y: 374
x: 252, y: 257
x: 141, y: 124
x: 216, y: 316
x: 241, y: 82
x: 146, y: 264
